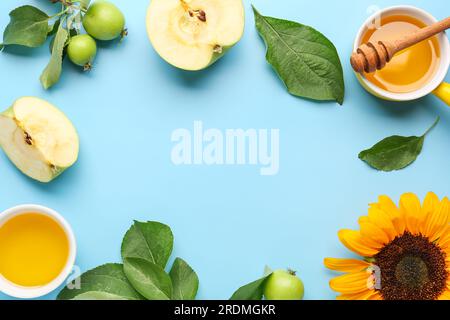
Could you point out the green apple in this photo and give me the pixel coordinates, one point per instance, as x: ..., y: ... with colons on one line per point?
x: 38, y: 138
x: 104, y: 21
x: 193, y: 34
x: 82, y: 50
x: 284, y: 285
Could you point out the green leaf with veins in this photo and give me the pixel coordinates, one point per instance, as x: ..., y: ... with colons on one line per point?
x: 28, y: 27
x: 52, y: 72
x: 107, y: 280
x: 253, y: 290
x: 184, y: 280
x: 305, y: 60
x: 52, y: 29
x: 152, y: 241
x: 395, y: 152
x: 72, y: 33
x: 149, y: 279
x: 98, y: 295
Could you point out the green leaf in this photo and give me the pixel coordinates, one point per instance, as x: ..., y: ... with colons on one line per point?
x: 149, y: 279
x: 52, y: 29
x: 98, y: 295
x: 395, y: 152
x: 28, y: 27
x: 306, y: 61
x: 72, y: 33
x: 152, y: 241
x: 252, y: 291
x: 107, y: 279
x: 184, y: 280
x: 52, y: 72
x: 267, y: 270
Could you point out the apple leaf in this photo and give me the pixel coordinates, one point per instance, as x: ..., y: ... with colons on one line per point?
x: 149, y: 279
x: 98, y: 295
x: 108, y: 279
x: 52, y: 72
x: 52, y: 29
x: 305, y: 60
x: 395, y: 152
x: 184, y: 280
x: 253, y: 290
x: 152, y: 241
x: 28, y: 27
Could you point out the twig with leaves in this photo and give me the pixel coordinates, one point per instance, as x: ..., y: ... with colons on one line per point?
x: 31, y: 27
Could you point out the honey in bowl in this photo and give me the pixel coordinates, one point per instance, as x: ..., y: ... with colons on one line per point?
x: 34, y: 250
x: 410, y: 69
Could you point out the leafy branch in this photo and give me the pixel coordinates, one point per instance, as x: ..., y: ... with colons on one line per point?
x: 31, y: 27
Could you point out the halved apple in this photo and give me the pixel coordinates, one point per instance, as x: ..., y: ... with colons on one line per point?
x: 38, y: 138
x: 193, y: 34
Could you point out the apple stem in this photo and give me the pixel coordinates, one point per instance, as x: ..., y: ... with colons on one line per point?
x: 87, y: 67
x: 123, y: 34
x: 292, y: 272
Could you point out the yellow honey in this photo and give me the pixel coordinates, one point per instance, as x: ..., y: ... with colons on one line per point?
x: 410, y: 69
x: 34, y: 250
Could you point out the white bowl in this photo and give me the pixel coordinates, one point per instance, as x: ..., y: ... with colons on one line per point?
x: 444, y: 45
x: 16, y: 291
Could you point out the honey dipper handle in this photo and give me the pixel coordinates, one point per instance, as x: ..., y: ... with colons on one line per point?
x: 374, y: 56
x: 422, y: 34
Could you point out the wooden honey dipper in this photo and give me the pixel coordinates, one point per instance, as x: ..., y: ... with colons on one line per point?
x: 371, y: 57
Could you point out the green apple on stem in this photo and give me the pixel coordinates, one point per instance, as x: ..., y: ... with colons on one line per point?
x: 193, y: 34
x: 104, y: 21
x: 38, y: 138
x: 82, y: 50
x: 284, y: 285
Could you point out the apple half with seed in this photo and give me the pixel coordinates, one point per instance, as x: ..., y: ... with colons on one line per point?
x: 193, y: 34
x: 38, y: 138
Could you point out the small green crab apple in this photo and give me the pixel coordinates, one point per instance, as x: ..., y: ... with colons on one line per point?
x: 284, y: 285
x: 104, y: 21
x: 82, y: 50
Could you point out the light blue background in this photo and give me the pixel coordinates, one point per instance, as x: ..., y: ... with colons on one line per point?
x: 229, y: 222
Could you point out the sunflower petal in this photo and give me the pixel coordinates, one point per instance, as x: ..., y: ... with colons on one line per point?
x: 388, y: 206
x: 346, y: 265
x: 437, y: 222
x: 355, y: 242
x: 444, y: 240
x: 371, y: 231
x: 376, y: 296
x: 381, y: 219
x: 411, y: 210
x: 445, y: 296
x: 365, y: 295
x: 430, y: 204
x: 352, y: 283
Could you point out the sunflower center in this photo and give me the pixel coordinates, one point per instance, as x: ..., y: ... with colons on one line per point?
x: 411, y: 268
x: 412, y: 272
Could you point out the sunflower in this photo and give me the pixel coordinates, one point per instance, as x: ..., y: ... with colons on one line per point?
x: 405, y: 250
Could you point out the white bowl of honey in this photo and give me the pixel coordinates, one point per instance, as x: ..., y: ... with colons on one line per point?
x: 414, y: 72
x: 37, y: 251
